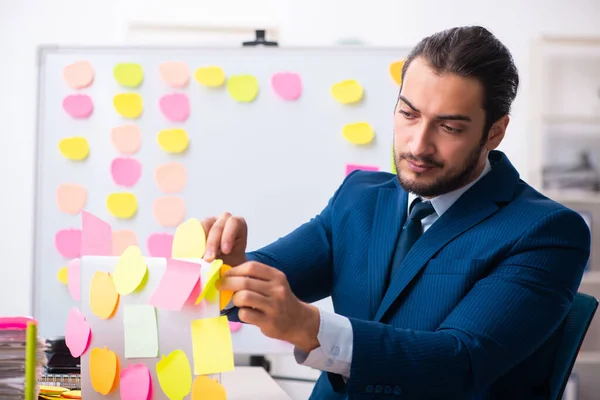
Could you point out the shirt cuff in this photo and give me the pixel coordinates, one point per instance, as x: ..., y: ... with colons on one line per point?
x: 335, y: 352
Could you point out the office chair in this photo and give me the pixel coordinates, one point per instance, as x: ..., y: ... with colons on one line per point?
x: 574, y: 329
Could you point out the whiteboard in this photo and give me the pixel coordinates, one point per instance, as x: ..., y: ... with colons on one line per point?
x: 276, y: 163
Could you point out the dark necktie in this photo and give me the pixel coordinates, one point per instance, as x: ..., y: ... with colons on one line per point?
x: 411, y: 231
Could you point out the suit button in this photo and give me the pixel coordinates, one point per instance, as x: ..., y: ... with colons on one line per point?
x: 387, y: 389
x: 378, y: 389
x: 335, y: 351
x: 397, y: 390
x: 329, y: 362
x: 369, y: 389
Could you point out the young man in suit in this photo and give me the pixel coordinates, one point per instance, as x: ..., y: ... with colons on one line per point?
x: 449, y: 280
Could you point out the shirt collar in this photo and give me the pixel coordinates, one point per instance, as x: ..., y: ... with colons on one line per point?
x: 443, y: 202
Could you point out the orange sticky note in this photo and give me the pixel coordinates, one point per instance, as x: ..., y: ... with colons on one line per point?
x: 226, y: 295
x: 103, y: 295
x: 104, y: 367
x: 206, y: 388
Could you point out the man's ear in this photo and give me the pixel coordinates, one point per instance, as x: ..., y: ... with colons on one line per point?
x: 497, y: 132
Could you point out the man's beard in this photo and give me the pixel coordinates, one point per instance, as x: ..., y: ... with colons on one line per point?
x: 444, y: 184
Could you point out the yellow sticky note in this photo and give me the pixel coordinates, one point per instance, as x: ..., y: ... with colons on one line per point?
x: 129, y: 105
x: 359, y: 133
x: 209, y: 291
x: 174, y: 375
x: 347, y: 92
x: 396, y: 71
x: 189, y: 240
x: 74, y: 148
x: 394, y: 171
x: 173, y: 140
x: 103, y: 295
x: 63, y: 275
x: 104, y: 369
x: 130, y: 271
x: 206, y: 388
x: 122, y: 205
x: 243, y: 88
x: 52, y: 390
x: 129, y: 74
x: 210, y: 76
x: 212, y: 347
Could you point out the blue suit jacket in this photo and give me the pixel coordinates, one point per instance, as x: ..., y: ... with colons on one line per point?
x: 473, y: 310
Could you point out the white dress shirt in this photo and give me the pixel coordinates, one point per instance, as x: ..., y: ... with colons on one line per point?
x: 335, y: 331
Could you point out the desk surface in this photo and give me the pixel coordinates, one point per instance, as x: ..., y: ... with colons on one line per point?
x: 245, y: 383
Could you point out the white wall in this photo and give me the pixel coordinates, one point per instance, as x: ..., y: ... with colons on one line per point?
x: 27, y: 23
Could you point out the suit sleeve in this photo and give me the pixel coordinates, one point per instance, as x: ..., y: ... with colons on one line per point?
x: 501, y: 321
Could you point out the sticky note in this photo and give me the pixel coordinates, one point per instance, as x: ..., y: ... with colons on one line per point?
x: 52, y: 390
x: 207, y: 388
x: 79, y: 74
x: 242, y: 88
x: 396, y: 71
x: 393, y: 169
x: 176, y: 285
x: 74, y: 277
x: 71, y: 198
x: 235, y: 326
x: 173, y: 140
x: 347, y: 92
x: 170, y: 177
x: 77, y: 333
x: 210, y: 76
x: 225, y: 295
x: 135, y: 383
x: 130, y: 271
x: 160, y: 244
x: 209, y: 291
x: 129, y: 74
x: 104, y: 298
x: 354, y: 167
x: 360, y: 133
x: 121, y: 240
x: 141, y: 332
x: 175, y: 73
x: 126, y: 139
x: 96, y: 236
x: 68, y: 242
x: 74, y: 148
x: 129, y: 105
x: 122, y: 205
x: 169, y: 211
x: 189, y: 240
x: 104, y: 368
x: 174, y: 375
x: 212, y: 346
x: 63, y: 275
x: 78, y: 106
x: 287, y: 85
x: 72, y: 394
x: 175, y: 107
x: 125, y: 171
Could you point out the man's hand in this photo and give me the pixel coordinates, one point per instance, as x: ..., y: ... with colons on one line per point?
x: 265, y: 299
x: 226, y: 238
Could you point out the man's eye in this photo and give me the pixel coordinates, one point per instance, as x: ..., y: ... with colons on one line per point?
x: 406, y: 114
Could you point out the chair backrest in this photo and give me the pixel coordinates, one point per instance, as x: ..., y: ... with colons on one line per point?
x: 575, y: 327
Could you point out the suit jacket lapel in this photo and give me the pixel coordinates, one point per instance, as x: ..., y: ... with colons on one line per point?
x: 390, y: 213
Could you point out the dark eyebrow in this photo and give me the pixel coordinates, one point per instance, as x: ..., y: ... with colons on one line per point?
x: 452, y: 117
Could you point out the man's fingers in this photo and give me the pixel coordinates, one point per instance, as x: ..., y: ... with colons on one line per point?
x: 239, y: 283
x: 253, y: 269
x: 251, y: 316
x: 213, y: 240
x: 235, y: 228
x: 249, y: 299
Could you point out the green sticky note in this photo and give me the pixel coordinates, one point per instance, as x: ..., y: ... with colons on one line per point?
x: 141, y: 333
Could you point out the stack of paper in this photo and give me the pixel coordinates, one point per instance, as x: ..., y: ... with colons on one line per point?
x: 13, y: 341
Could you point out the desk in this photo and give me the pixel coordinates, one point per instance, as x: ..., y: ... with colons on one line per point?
x: 245, y: 383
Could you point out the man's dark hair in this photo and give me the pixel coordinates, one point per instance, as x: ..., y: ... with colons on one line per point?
x: 473, y: 51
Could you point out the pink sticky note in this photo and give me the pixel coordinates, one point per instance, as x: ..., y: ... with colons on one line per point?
x: 176, y: 284
x: 235, y: 326
x: 78, y: 105
x: 73, y: 277
x: 126, y: 171
x: 96, y: 236
x: 77, y: 333
x: 135, y: 382
x: 176, y: 106
x: 353, y: 167
x: 159, y: 244
x: 287, y: 85
x: 19, y: 323
x: 68, y: 242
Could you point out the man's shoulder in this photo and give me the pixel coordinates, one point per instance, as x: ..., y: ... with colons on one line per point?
x: 376, y: 180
